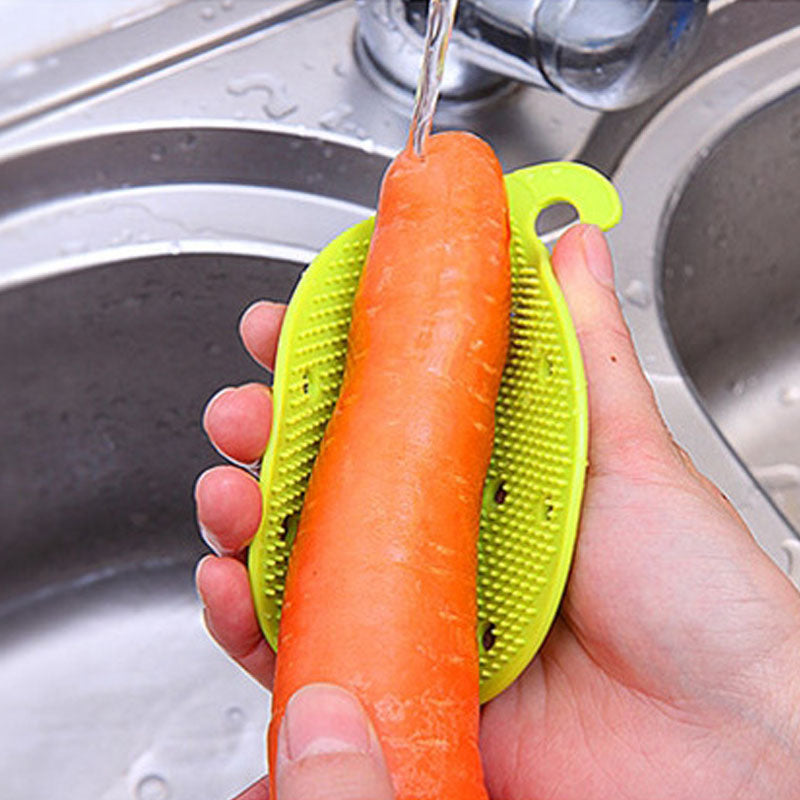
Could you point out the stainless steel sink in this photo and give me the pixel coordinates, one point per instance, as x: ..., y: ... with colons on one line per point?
x: 706, y: 264
x: 731, y: 292
x: 158, y: 178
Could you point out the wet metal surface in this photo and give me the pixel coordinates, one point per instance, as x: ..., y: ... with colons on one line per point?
x: 137, y: 222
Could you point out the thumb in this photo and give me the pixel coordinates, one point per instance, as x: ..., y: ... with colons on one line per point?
x: 623, y: 414
x: 327, y: 749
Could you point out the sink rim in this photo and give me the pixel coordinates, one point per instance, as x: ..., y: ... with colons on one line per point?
x: 651, y: 177
x: 254, y: 230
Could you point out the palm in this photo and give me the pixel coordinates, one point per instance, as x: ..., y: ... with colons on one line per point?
x: 644, y: 669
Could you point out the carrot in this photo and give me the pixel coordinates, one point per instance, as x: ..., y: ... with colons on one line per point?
x: 380, y: 596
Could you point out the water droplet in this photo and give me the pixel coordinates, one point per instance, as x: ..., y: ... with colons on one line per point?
x: 336, y: 118
x: 213, y: 349
x: 739, y: 387
x: 188, y: 141
x: 790, y: 395
x: 279, y: 103
x: 340, y: 69
x: 279, y: 106
x: 637, y: 294
x: 235, y: 718
x: 152, y: 787
x: 73, y: 247
x: 688, y: 270
x: 123, y: 237
x: 327, y: 151
x: 208, y: 13
x: 23, y: 69
x: 157, y: 153
x: 227, y: 5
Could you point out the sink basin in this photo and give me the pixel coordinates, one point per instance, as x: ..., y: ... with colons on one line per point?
x: 147, y: 201
x: 731, y: 293
x: 706, y: 263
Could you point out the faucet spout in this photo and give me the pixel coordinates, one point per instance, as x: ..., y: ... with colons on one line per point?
x: 604, y: 54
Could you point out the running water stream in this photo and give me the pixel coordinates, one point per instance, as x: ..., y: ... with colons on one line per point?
x: 441, y: 16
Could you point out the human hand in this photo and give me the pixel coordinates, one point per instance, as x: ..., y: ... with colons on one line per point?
x: 671, y: 669
x: 327, y: 747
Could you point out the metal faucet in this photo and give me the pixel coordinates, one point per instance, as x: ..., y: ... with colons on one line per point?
x: 604, y: 54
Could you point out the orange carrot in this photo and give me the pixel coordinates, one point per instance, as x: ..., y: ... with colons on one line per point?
x: 380, y: 595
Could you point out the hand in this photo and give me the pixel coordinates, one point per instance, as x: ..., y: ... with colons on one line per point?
x: 327, y: 747
x: 672, y: 668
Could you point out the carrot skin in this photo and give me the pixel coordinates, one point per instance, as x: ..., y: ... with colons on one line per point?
x: 380, y: 595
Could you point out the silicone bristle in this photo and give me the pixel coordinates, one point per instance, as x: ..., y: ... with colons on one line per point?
x: 529, y: 483
x: 308, y: 375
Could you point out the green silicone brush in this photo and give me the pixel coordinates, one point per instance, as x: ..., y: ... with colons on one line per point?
x: 534, y: 486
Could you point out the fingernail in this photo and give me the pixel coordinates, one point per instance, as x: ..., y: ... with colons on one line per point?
x: 197, y: 570
x: 598, y: 257
x: 205, y: 533
x: 225, y: 390
x: 210, y: 539
x: 321, y: 719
